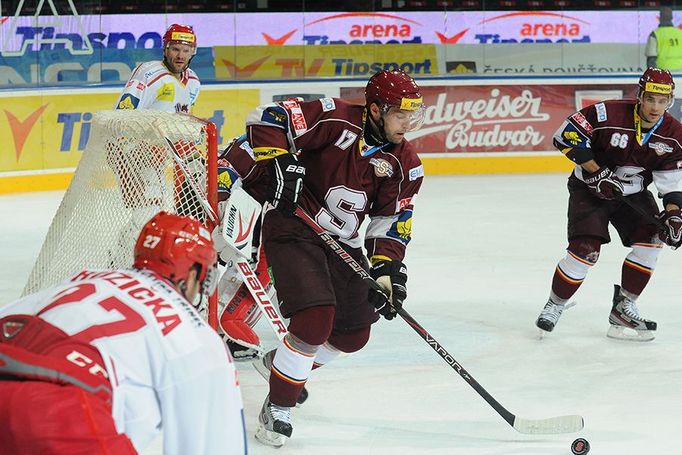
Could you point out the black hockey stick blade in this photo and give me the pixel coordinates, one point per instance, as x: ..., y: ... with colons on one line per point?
x: 553, y: 425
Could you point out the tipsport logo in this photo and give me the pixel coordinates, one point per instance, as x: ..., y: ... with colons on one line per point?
x: 523, y: 27
x: 74, y: 129
x: 48, y: 38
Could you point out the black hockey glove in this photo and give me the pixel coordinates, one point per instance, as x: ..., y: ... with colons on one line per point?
x: 286, y: 182
x: 672, y: 234
x: 392, y: 276
x: 603, y: 183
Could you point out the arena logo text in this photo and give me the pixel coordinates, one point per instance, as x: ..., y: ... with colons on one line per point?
x: 524, y: 27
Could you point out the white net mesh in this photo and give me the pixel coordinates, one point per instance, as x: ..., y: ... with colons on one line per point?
x: 136, y: 164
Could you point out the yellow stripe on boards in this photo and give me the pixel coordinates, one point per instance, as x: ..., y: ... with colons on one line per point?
x: 496, y: 165
x: 35, y: 182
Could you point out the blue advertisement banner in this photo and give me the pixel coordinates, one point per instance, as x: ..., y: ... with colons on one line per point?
x: 51, y: 67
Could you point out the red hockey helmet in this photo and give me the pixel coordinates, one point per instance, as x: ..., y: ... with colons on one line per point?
x: 183, y: 34
x: 171, y: 245
x: 393, y: 88
x: 656, y: 80
x: 396, y: 89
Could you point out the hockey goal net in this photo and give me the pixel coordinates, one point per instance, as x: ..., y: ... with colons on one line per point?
x: 136, y: 163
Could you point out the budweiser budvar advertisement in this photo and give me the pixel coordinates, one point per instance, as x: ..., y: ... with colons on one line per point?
x: 499, y: 119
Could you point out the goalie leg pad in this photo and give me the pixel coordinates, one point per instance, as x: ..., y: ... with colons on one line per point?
x: 233, y: 319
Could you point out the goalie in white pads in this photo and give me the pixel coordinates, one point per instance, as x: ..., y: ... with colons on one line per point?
x: 238, y: 309
x: 104, y: 361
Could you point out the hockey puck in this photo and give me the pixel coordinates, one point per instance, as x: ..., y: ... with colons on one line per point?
x: 580, y: 446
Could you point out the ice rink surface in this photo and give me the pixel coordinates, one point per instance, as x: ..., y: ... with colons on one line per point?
x: 480, y: 266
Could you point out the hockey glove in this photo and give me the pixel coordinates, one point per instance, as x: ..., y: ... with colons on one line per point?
x: 604, y: 184
x: 392, y: 276
x: 672, y: 234
x: 286, y: 182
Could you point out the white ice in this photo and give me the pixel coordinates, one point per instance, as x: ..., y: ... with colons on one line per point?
x: 480, y: 267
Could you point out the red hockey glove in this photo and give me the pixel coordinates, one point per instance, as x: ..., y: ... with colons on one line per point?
x: 672, y: 234
x: 603, y: 183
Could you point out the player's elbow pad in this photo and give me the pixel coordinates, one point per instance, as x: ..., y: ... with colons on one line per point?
x: 579, y: 155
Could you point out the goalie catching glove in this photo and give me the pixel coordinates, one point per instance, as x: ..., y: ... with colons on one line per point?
x: 672, y: 234
x: 286, y: 182
x: 604, y: 183
x: 392, y: 276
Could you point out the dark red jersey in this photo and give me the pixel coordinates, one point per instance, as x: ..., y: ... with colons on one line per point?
x: 609, y: 130
x: 346, y: 180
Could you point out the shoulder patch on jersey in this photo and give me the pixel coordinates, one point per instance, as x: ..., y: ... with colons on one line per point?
x: 382, y: 168
x: 128, y: 101
x: 660, y: 148
x: 297, y: 118
x: 328, y: 104
x: 601, y: 112
x: 275, y: 115
x: 416, y: 172
x: 571, y: 135
x: 580, y: 119
x: 166, y: 92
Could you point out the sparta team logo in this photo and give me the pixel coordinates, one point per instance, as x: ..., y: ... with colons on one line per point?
x: 382, y: 168
x: 660, y: 148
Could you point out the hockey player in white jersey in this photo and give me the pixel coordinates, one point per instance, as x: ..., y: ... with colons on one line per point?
x: 168, y: 85
x: 104, y: 361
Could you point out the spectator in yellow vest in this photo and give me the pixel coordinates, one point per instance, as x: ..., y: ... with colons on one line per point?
x: 664, y: 46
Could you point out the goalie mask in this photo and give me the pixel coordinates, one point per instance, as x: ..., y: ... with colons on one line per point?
x: 397, y: 94
x: 172, y: 245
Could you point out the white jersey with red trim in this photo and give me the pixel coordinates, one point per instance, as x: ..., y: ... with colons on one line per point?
x: 152, y: 86
x: 168, y: 370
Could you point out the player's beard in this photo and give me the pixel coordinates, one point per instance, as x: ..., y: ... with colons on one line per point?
x: 172, y: 68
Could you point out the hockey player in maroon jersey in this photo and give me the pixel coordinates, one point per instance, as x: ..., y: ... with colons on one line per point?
x: 340, y: 162
x: 620, y: 148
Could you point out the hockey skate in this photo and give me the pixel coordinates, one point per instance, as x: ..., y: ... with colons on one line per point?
x: 550, y: 314
x: 263, y: 366
x: 275, y: 424
x: 625, y: 321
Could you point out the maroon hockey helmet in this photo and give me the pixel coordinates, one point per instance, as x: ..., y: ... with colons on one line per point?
x: 393, y: 88
x: 396, y: 89
x: 657, y: 80
x: 181, y: 34
x: 171, y: 245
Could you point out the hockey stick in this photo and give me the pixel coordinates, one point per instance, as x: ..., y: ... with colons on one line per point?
x: 553, y: 425
x: 647, y: 216
x: 643, y: 213
x: 188, y: 177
